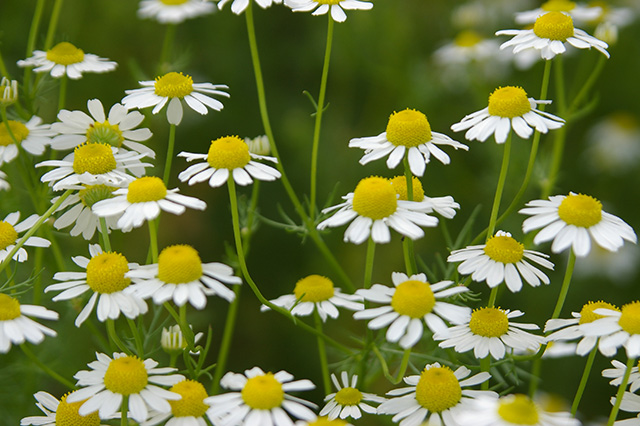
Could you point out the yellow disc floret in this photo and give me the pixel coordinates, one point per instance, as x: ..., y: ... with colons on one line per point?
x: 374, y: 197
x: 67, y: 414
x: 65, y: 53
x: 504, y: 249
x: 348, y: 396
x: 314, y: 288
x: 518, y: 410
x: 509, y: 101
x: 554, y: 26
x: 467, y: 38
x: 630, y: 318
x: 146, y: 188
x: 580, y: 210
x: 587, y: 315
x: 558, y: 6
x: 489, y: 322
x: 18, y: 130
x: 94, y: 158
x: 438, y: 389
x: 179, y: 264
x: 229, y: 152
x: 413, y: 298
x: 126, y: 375
x: 105, y: 273
x: 173, y: 2
x: 105, y: 133
x: 8, y: 234
x: 191, y: 404
x: 408, y: 128
x: 93, y: 193
x: 9, y: 307
x: 173, y: 85
x: 399, y: 184
x: 263, y: 392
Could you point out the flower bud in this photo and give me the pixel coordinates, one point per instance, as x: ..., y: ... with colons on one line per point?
x: 259, y: 145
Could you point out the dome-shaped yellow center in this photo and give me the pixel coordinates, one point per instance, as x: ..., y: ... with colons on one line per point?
x: 399, y: 184
x: 263, y: 392
x: 179, y: 264
x: 554, y: 26
x: 580, y: 210
x: 229, y: 152
x: 146, y: 188
x: 8, y: 234
x: 19, y: 131
x: 467, y: 38
x: 504, y: 249
x: 173, y: 2
x: 348, y: 396
x: 509, y: 101
x: 408, y: 128
x: 67, y: 414
x: 558, y: 6
x: 630, y: 318
x: 489, y: 322
x: 94, y: 158
x: 314, y: 288
x: 105, y: 273
x: 324, y: 421
x: 9, y: 307
x: 518, y: 410
x: 173, y: 85
x: 91, y: 194
x: 587, y: 315
x: 438, y: 389
x: 413, y: 298
x: 374, y: 197
x: 126, y: 375
x: 105, y: 133
x: 191, y: 404
x: 65, y: 53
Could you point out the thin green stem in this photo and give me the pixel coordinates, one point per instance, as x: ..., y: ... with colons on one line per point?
x: 492, y: 297
x: 225, y: 345
x: 500, y: 188
x: 53, y: 24
x: 322, y: 352
x: 407, y: 243
x: 167, y: 46
x: 593, y: 77
x: 3, y: 68
x: 27, y: 351
x: 621, y: 389
x: 33, y: 31
x: 560, y: 134
x: 565, y: 285
x: 62, y: 99
x: 187, y: 332
x: 404, y: 363
x: 124, y: 411
x: 153, y: 240
x: 485, y: 365
x: 368, y: 266
x: 136, y: 337
x: 104, y: 232
x: 169, y: 159
x: 583, y: 381
x: 113, y: 336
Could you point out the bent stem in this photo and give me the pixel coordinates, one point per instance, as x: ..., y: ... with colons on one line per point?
x: 583, y: 381
x: 322, y: 352
x: 225, y: 345
x: 113, y: 336
x: 385, y: 368
x: 500, y: 188
x: 621, y: 389
x: 169, y: 159
x: 45, y: 368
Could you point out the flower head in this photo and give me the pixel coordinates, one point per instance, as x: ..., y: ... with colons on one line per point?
x: 10, y: 231
x: 32, y: 136
x: 15, y: 325
x: 444, y: 206
x: 617, y: 328
x: 59, y: 412
x: 174, y: 11
x: 348, y: 400
x: 577, y: 12
x: 322, y: 7
x: 239, y: 6
x: 190, y: 410
x: 618, y: 372
x: 8, y: 91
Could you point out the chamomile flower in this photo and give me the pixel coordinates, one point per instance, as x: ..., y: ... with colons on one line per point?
x: 316, y: 292
x: 435, y: 396
x: 174, y: 11
x: 4, y: 185
x: 105, y: 278
x: 617, y: 373
x: 143, y: 200
x: 631, y: 404
x: 617, y: 328
x: 444, y: 206
x: 15, y: 325
x: 509, y: 108
x: 8, y: 91
x: 190, y: 410
x: 32, y: 136
x: 550, y: 34
x: 260, y: 398
x: 374, y: 206
x: 10, y: 231
x: 239, y: 6
x: 572, y: 221
x: 490, y: 331
x: 578, y: 12
x: 408, y: 304
x: 467, y: 47
x: 322, y: 7
x: 228, y: 155
x: 348, y: 400
x: 173, y: 88
x: 111, y: 379
x: 59, y: 412
x: 181, y: 276
x: 118, y: 128
x: 408, y: 132
x: 502, y: 259
x: 66, y: 59
x: 612, y: 144
x: 173, y: 341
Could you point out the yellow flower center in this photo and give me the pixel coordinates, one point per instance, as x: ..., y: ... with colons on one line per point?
x: 413, y: 298
x: 489, y: 322
x: 374, y: 197
x: 173, y: 85
x: 580, y: 210
x: 509, y: 101
x: 324, y: 421
x: 9, y: 307
x: 65, y: 54
x: 504, y: 249
x: 554, y: 26
x: 263, y: 392
x: 587, y: 315
x: 105, y: 133
x: 147, y: 188
x: 348, y: 396
x: 329, y: 2
x: 126, y: 375
x: 8, y: 234
x: 314, y: 288
x: 467, y: 39
x: 438, y: 389
x: 191, y: 404
x: 91, y: 194
x: 399, y: 184
x: 94, y: 158
x: 67, y: 414
x: 179, y: 264
x: 19, y: 131
x: 173, y: 2
x: 105, y: 273
x: 558, y: 6
x: 518, y: 410
x: 630, y: 318
x: 408, y: 128
x: 229, y: 152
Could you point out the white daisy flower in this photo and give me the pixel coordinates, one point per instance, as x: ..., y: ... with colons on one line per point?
x: 15, y: 325
x: 4, y: 185
x: 66, y: 59
x: 317, y: 292
x: 32, y: 136
x: 374, y: 206
x: 109, y: 380
x: 239, y: 6
x: 435, y: 396
x: 578, y: 12
x: 322, y: 7
x: 228, y: 155
x: 408, y: 132
x: 617, y: 373
x: 173, y: 341
x: 631, y: 404
x: 8, y: 91
x: 174, y: 88
x: 181, y: 276
x: 348, y: 400
x: 444, y: 206
x: 260, y: 398
x: 59, y: 412
x: 617, y: 328
x: 105, y: 278
x: 191, y: 410
x: 408, y: 304
x: 118, y: 128
x: 10, y: 231
x: 550, y: 34
x: 490, y: 331
x: 502, y: 259
x: 258, y: 145
x: 174, y: 11
x: 509, y: 108
x: 467, y: 47
x: 612, y: 144
x: 572, y: 221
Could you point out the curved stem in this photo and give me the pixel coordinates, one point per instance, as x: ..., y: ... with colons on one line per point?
x: 53, y: 24
x: 560, y: 135
x: 31, y: 42
x: 500, y: 188
x: 322, y: 352
x: 113, y: 336
x: 167, y: 45
x: 385, y: 369
x: 153, y: 240
x: 225, y: 345
x: 583, y: 381
x: 187, y: 332
x: 595, y: 73
x: 368, y: 267
x: 137, y: 338
x: 621, y: 389
x: 45, y: 368
x: 169, y: 159
x: 565, y: 285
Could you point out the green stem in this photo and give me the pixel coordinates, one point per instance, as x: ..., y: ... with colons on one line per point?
x: 621, y: 390
x: 187, y: 332
x: 27, y: 351
x: 595, y: 73
x: 62, y: 99
x: 492, y: 297
x: 385, y: 368
x: 500, y: 188
x: 485, y: 365
x: 368, y: 267
x: 322, y: 352
x: 113, y: 336
x: 124, y: 411
x: 137, y: 338
x: 407, y: 243
x: 565, y: 285
x: 104, y: 232
x: 225, y: 345
x: 583, y: 381
x: 31, y: 43
x: 153, y: 240
x: 560, y: 134
x: 169, y: 159
x: 167, y: 45
x: 53, y: 24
